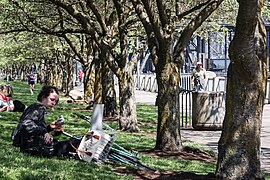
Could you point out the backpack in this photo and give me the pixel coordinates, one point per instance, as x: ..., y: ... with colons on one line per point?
x: 18, y: 106
x: 16, y: 136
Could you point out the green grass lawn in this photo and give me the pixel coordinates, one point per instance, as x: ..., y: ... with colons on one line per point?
x: 15, y: 165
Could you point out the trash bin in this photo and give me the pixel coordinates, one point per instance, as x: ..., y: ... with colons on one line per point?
x: 208, y: 110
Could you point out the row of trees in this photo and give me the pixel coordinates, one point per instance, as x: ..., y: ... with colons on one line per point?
x: 100, y: 34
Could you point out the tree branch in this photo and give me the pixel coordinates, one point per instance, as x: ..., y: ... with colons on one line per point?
x: 73, y: 48
x: 81, y: 18
x: 98, y: 16
x: 153, y: 19
x: 162, y: 15
x: 193, y: 25
x: 199, y: 6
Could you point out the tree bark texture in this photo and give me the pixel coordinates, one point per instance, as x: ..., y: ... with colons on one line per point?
x: 98, y: 91
x: 239, y: 145
x: 88, y: 82
x: 168, y: 132
x: 68, y: 74
x: 168, y: 80
x: 109, y: 94
x: 127, y: 102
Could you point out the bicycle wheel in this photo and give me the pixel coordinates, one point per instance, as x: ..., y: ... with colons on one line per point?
x: 117, y: 155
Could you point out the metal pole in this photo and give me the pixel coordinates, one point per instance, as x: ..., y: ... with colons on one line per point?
x: 226, y: 52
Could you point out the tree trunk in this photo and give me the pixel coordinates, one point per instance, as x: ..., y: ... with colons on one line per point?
x: 68, y: 73
x: 239, y: 145
x: 98, y: 84
x: 168, y: 130
x: 89, y: 81
x: 109, y: 94
x: 127, y: 102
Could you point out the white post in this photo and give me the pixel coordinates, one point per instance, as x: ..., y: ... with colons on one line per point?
x: 97, y: 116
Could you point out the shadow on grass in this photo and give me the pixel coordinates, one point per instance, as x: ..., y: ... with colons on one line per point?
x: 159, y: 175
x: 188, y: 153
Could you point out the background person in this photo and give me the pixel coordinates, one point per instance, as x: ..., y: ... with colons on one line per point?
x: 80, y: 75
x: 198, y: 77
x: 31, y: 82
x: 5, y: 103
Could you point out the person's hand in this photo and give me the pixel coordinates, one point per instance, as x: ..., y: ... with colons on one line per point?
x: 55, y: 125
x: 48, y: 139
x: 56, y: 128
x: 57, y: 131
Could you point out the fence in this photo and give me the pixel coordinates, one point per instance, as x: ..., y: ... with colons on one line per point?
x: 185, y: 108
x: 147, y: 82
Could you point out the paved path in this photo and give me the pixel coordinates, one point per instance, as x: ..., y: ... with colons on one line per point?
x: 210, y: 138
x: 265, y: 139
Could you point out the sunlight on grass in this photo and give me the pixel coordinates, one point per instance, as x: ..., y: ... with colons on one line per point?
x: 180, y: 165
x: 15, y: 165
x: 134, y: 141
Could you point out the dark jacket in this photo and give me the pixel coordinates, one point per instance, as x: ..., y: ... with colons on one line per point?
x: 31, y: 78
x: 33, y: 126
x: 33, y: 130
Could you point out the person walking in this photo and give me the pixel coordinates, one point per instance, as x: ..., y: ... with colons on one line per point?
x: 80, y: 75
x: 31, y: 82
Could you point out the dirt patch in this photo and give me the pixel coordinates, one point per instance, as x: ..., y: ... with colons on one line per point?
x: 170, y: 175
x: 188, y: 153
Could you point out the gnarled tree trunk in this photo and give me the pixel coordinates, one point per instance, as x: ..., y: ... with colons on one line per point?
x: 109, y: 94
x: 128, y: 113
x: 168, y: 132
x: 239, y: 145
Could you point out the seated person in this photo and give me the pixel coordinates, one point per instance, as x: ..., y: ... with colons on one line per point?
x: 5, y: 103
x: 4, y: 106
x: 35, y: 134
x: 9, y: 105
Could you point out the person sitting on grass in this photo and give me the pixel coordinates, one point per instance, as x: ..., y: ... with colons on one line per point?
x: 35, y: 134
x: 5, y: 103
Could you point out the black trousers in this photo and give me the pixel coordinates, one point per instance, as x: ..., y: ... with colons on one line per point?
x: 58, y: 148
x: 66, y: 148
